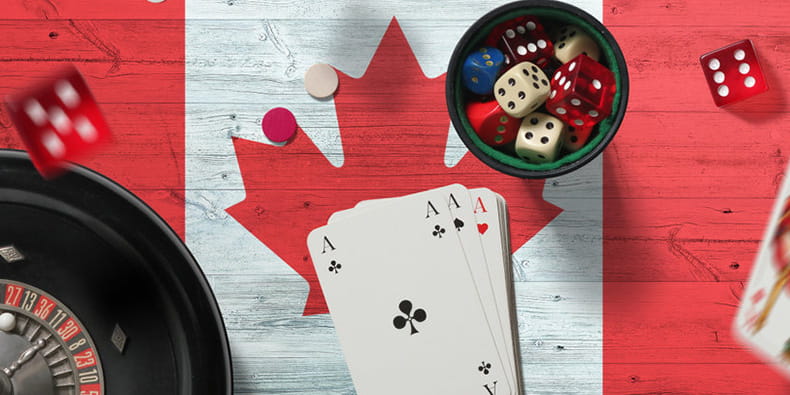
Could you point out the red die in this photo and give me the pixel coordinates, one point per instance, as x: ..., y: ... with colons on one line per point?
x: 733, y: 73
x: 491, y: 123
x: 58, y: 121
x: 524, y: 40
x: 528, y: 22
x: 576, y: 137
x: 582, y: 92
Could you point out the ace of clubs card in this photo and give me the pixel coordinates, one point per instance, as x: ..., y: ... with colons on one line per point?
x: 404, y: 303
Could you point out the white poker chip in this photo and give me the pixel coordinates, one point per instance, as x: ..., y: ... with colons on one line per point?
x: 320, y: 81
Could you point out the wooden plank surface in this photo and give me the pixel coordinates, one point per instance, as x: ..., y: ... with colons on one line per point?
x: 684, y: 379
x: 91, y: 10
x: 630, y: 290
x: 688, y: 13
x: 353, y: 9
x: 238, y: 66
x: 688, y: 190
x: 135, y: 68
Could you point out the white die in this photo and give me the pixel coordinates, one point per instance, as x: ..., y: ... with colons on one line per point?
x: 522, y: 89
x: 539, y: 138
x: 570, y: 41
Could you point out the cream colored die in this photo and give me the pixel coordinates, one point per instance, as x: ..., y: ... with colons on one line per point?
x: 570, y: 41
x: 522, y: 89
x: 539, y: 138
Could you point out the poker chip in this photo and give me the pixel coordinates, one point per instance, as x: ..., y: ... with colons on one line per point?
x: 320, y: 81
x: 279, y: 125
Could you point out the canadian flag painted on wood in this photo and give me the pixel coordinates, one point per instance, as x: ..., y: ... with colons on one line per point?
x: 395, y: 148
x: 627, y: 273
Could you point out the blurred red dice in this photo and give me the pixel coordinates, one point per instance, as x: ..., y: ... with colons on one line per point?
x: 582, y: 92
x: 491, y: 123
x: 58, y: 121
x: 733, y: 73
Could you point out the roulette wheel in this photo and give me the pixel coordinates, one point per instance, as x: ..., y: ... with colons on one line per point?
x: 98, y: 295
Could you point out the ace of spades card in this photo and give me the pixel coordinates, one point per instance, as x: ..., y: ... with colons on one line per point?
x: 762, y: 320
x: 403, y: 301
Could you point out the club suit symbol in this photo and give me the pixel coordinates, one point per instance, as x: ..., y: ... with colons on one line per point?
x: 400, y: 321
x: 335, y: 267
x: 484, y: 367
x: 438, y: 231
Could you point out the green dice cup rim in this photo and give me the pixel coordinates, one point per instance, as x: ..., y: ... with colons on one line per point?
x: 556, y: 13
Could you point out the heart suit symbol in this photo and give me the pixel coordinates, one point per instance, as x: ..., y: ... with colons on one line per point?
x: 482, y: 228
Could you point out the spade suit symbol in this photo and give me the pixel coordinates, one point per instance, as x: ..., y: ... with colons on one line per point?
x: 458, y: 224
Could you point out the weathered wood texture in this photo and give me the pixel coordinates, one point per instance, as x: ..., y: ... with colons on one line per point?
x: 92, y: 10
x: 135, y: 68
x: 687, y: 193
x: 687, y: 187
x: 244, y: 59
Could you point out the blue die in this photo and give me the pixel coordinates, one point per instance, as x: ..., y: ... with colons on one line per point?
x: 481, y: 69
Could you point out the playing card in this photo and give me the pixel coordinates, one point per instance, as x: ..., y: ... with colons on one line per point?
x: 490, y: 214
x: 507, y: 257
x: 762, y: 320
x: 486, y: 266
x: 403, y: 302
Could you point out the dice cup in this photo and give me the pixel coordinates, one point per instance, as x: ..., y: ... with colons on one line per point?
x: 550, y: 13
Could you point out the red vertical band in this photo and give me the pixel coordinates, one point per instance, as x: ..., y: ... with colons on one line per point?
x: 131, y: 53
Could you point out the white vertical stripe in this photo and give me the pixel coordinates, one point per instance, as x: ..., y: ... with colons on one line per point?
x: 569, y: 249
x: 253, y: 59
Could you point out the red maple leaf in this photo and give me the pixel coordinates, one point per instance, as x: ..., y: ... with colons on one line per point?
x: 394, y: 125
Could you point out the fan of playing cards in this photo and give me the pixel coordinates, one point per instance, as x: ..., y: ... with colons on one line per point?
x: 419, y: 289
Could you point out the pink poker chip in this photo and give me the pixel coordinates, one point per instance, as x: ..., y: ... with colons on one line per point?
x: 279, y: 125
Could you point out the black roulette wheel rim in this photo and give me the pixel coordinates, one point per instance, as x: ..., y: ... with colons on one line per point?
x: 114, y: 264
